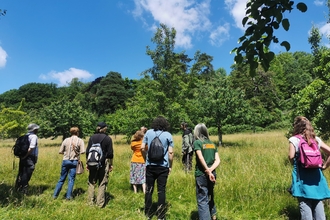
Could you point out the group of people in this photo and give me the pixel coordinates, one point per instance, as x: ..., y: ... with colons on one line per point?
x: 309, y: 186
x: 71, y: 148
x: 147, y: 172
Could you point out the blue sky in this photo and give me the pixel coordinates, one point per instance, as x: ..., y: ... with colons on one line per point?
x: 55, y: 41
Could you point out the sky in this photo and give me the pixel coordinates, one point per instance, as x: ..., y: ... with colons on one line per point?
x: 55, y: 41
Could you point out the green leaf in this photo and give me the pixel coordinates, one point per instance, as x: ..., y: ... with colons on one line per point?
x: 241, y: 39
x: 233, y: 50
x: 302, y: 7
x: 245, y: 19
x: 286, y: 45
x: 286, y: 24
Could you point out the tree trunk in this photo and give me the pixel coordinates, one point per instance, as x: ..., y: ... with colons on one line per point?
x: 219, y: 134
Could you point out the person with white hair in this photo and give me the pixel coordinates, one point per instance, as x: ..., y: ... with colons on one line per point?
x: 27, y: 162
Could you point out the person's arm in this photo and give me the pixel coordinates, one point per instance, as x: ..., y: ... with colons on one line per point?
x: 170, y: 157
x: 33, y: 144
x: 185, y: 143
x: 143, y: 150
x: 326, y: 149
x: 61, y: 151
x: 292, y: 152
x: 110, y: 155
x: 208, y: 170
x: 82, y: 146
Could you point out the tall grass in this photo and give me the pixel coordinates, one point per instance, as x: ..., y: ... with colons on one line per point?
x: 252, y: 183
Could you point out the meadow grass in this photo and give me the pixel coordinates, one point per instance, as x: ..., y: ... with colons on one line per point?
x: 252, y: 182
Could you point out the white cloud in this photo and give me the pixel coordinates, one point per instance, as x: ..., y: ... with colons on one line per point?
x: 220, y: 35
x: 319, y: 2
x: 325, y: 29
x: 237, y: 10
x: 66, y: 76
x: 3, y: 57
x: 187, y: 16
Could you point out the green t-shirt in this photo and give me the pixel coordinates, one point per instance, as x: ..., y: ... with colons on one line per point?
x: 208, y: 150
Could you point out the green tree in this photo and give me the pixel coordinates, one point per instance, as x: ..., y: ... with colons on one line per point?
x: 11, y: 98
x: 313, y: 102
x: 13, y: 122
x: 37, y: 95
x: 220, y: 104
x: 111, y: 94
x: 262, y: 18
x: 57, y: 119
x: 293, y: 72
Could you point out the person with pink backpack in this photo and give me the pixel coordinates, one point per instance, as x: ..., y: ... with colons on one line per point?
x: 309, y: 185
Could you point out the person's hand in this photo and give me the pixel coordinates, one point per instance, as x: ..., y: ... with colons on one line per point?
x: 324, y: 167
x: 210, y: 174
x: 110, y: 168
x: 212, y: 178
x: 169, y: 170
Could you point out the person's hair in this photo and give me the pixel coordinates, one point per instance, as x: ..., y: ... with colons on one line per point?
x: 184, y: 125
x: 301, y: 125
x: 101, y: 130
x: 144, y: 129
x: 74, y: 130
x: 138, y: 135
x: 200, y: 132
x: 160, y: 123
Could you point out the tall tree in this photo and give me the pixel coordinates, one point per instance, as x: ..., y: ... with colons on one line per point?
x: 220, y: 104
x: 57, y: 119
x: 111, y: 93
x: 37, y: 95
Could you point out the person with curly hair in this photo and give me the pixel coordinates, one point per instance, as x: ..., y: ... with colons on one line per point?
x: 157, y: 170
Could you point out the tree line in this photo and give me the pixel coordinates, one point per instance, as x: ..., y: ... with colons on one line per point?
x: 180, y: 88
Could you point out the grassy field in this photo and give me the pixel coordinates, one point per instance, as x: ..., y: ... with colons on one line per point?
x: 251, y: 184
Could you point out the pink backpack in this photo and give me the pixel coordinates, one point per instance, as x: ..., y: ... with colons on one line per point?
x: 310, y: 155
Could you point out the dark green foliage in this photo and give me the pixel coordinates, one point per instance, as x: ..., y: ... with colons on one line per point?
x: 37, y: 95
x: 111, y: 94
x: 262, y: 19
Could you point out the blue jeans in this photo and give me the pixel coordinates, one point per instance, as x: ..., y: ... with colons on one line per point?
x: 205, y: 197
x: 68, y: 167
x: 160, y: 174
x: 311, y: 209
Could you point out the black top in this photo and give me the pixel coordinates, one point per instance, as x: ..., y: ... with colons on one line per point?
x: 106, y: 145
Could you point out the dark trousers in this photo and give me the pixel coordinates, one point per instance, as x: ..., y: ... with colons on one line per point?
x: 187, y: 160
x: 160, y: 174
x: 25, y: 171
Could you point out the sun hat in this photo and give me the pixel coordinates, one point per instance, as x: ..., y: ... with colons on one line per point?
x: 32, y: 127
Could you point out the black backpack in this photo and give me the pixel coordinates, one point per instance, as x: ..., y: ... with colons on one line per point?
x: 156, y: 150
x: 21, y: 146
x: 95, y: 154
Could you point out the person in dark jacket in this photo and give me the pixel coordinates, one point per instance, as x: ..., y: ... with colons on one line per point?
x: 99, y: 175
x: 187, y: 146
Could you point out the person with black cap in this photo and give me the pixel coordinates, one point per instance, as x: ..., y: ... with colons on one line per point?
x: 27, y: 162
x: 99, y: 174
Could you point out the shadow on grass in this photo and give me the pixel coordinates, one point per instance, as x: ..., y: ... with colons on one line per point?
x: 9, y: 196
x: 291, y: 212
x: 153, y: 210
x: 78, y: 192
x: 194, y: 215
